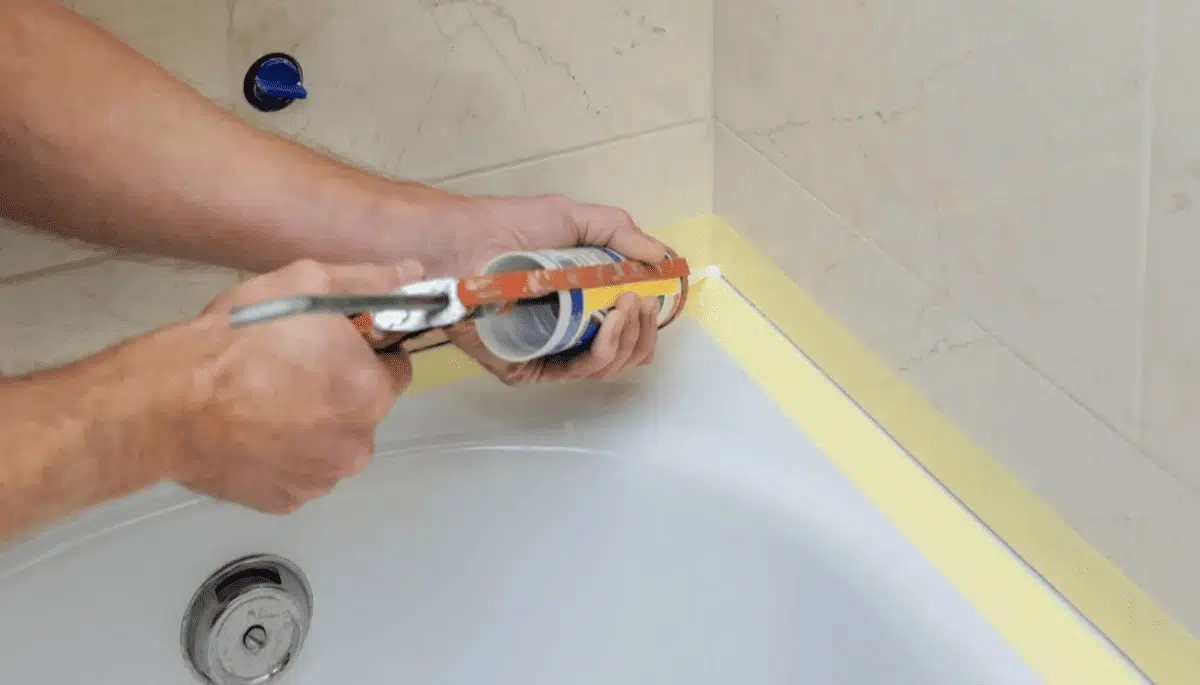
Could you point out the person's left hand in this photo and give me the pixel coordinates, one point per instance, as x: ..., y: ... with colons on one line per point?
x: 494, y: 225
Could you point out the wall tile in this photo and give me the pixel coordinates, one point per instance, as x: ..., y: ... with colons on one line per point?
x: 188, y: 38
x: 61, y: 317
x: 995, y: 149
x: 1171, y: 419
x: 1122, y: 503
x: 23, y: 250
x: 431, y: 88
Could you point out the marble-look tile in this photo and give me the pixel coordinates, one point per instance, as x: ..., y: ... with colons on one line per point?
x: 659, y: 178
x: 426, y: 89
x: 64, y: 316
x: 188, y: 38
x: 23, y: 250
x: 995, y: 149
x: 1171, y: 394
x: 1122, y: 503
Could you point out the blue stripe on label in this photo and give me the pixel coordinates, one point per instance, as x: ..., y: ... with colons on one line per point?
x: 616, y: 257
x: 589, y: 333
x: 574, y: 322
x: 574, y: 337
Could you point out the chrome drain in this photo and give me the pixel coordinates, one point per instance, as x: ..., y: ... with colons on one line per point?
x: 247, y: 622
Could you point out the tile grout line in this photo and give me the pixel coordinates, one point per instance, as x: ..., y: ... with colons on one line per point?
x: 1127, y: 440
x: 565, y: 152
x: 65, y: 267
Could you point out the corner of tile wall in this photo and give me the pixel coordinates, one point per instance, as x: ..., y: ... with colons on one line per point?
x: 1120, y: 501
x: 1171, y: 351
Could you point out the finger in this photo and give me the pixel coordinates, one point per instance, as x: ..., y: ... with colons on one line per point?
x: 644, y: 350
x: 601, y: 352
x: 293, y: 497
x: 615, y: 229
x: 371, y: 278
x: 627, y: 304
x: 279, y: 501
x: 465, y: 336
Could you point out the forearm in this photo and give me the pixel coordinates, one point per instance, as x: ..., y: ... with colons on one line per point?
x: 99, y: 143
x: 84, y: 434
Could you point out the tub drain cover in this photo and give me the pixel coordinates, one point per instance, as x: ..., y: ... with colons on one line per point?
x: 247, y: 622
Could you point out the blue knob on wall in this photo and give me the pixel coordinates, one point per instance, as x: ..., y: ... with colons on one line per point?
x: 273, y: 82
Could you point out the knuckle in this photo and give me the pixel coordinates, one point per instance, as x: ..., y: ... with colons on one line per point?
x: 354, y: 458
x: 557, y: 199
x: 220, y: 303
x: 381, y: 407
x: 309, y: 273
x: 623, y: 218
x: 611, y: 372
x: 363, y: 385
x: 297, y: 496
x: 282, y: 505
x: 320, y: 490
x: 516, y: 375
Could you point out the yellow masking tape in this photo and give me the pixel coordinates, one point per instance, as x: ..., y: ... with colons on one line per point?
x: 1054, y: 642
x: 1150, y: 637
x: 440, y: 367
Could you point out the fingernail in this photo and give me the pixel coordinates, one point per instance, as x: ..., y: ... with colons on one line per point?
x: 649, y: 305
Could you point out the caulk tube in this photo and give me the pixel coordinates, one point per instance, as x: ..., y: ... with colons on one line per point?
x: 569, y: 319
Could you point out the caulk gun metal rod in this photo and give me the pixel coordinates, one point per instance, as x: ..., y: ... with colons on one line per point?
x: 334, y: 304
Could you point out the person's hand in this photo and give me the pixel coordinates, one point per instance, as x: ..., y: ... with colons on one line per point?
x: 283, y: 410
x: 486, y: 227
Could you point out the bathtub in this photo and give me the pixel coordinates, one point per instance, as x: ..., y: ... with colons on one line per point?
x: 674, y: 526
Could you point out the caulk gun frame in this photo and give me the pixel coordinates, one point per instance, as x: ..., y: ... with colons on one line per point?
x: 271, y: 310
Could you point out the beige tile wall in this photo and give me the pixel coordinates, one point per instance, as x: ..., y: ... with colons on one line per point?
x: 1138, y: 515
x: 426, y: 89
x: 479, y: 96
x: 999, y: 198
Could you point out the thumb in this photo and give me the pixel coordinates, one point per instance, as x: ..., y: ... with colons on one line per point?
x: 372, y: 278
x: 613, y: 228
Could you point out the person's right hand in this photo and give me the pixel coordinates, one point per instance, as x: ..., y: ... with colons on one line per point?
x: 283, y: 410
